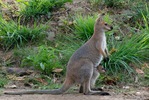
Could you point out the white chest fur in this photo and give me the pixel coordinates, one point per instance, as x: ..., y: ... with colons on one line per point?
x: 103, y: 45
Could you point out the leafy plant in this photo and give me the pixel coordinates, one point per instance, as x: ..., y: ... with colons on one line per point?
x: 13, y: 34
x: 44, y: 59
x: 34, y: 8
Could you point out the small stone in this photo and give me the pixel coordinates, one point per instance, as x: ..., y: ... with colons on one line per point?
x: 126, y: 87
x: 138, y: 93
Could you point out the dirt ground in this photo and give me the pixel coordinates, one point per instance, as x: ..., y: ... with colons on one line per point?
x: 138, y: 94
x: 61, y: 97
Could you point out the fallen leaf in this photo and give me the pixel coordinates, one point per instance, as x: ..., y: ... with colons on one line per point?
x: 113, y: 50
x: 126, y: 87
x: 138, y: 93
x: 139, y: 71
x: 57, y: 70
x: 42, y: 81
x: 145, y: 65
x: 13, y: 77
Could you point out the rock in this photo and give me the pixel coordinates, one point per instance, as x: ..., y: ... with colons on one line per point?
x: 19, y: 71
x: 51, y: 36
x: 126, y: 87
x: 11, y: 86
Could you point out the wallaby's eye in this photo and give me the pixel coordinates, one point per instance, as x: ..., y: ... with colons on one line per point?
x: 106, y: 24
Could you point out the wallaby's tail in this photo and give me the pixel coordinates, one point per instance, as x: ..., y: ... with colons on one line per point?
x: 67, y: 84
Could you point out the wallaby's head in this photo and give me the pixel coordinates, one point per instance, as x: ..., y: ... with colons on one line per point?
x: 100, y: 24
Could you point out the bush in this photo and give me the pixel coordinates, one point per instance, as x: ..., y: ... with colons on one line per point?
x: 44, y: 59
x: 13, y: 34
x: 34, y: 8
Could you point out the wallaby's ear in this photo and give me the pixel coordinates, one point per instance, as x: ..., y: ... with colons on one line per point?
x: 100, y: 17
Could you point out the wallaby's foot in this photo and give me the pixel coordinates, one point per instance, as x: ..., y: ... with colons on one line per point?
x: 94, y: 89
x: 98, y: 93
x: 97, y: 89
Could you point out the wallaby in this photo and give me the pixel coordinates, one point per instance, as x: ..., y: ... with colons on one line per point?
x: 81, y: 68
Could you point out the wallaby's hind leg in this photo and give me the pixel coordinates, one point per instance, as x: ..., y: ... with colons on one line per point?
x: 92, y: 81
x: 88, y: 91
x: 94, y: 78
x: 88, y: 76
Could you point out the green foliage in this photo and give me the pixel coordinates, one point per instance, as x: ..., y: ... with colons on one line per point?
x: 115, y: 3
x: 139, y: 9
x: 3, y: 80
x: 67, y: 46
x: 133, y: 49
x: 44, y: 59
x: 34, y: 8
x: 84, y: 26
x: 13, y: 34
x: 95, y: 2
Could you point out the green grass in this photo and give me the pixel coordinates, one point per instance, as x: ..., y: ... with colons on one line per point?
x: 133, y: 49
x: 13, y: 34
x: 115, y: 3
x: 3, y: 80
x: 67, y: 44
x: 43, y: 58
x: 140, y: 9
x: 35, y: 8
x: 84, y: 25
x: 130, y: 50
x: 95, y: 3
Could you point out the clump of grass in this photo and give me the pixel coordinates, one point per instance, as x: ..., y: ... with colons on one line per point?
x: 138, y: 9
x: 3, y: 80
x: 84, y: 26
x: 44, y: 59
x: 95, y: 2
x: 133, y: 49
x: 34, y: 8
x: 114, y: 3
x: 13, y: 34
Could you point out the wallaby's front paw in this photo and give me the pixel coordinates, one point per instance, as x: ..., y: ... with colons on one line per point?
x: 106, y: 59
